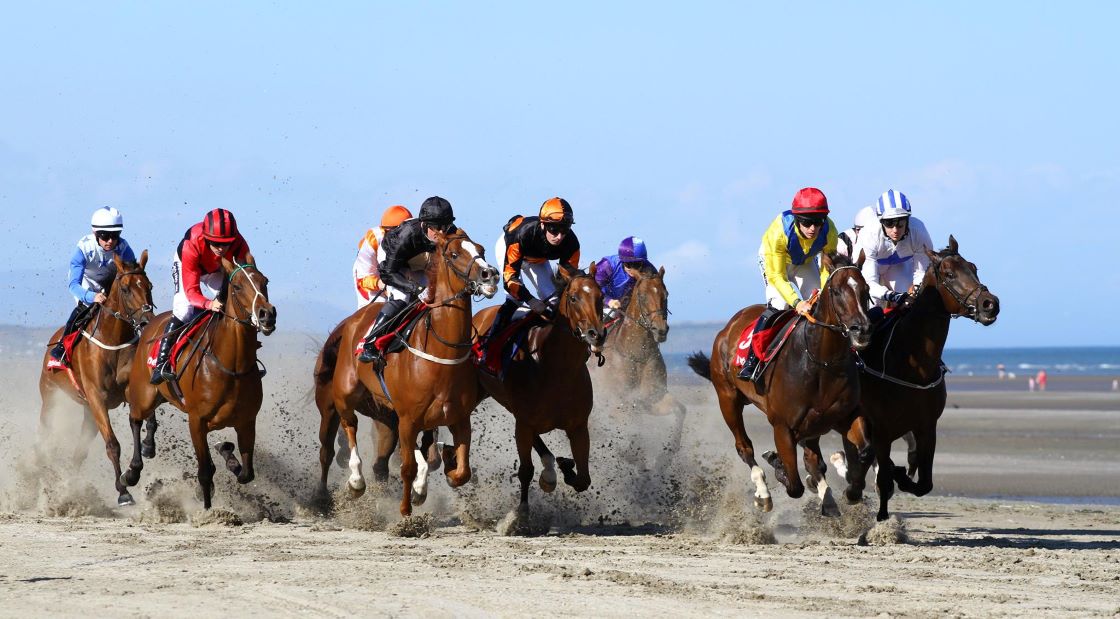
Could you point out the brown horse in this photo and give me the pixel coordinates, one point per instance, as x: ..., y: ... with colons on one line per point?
x: 219, y: 383
x: 902, y: 384
x: 100, y: 362
x: 429, y: 384
x: 553, y: 390
x: 812, y: 384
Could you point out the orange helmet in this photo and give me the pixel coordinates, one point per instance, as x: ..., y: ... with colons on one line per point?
x: 395, y: 216
x: 557, y: 210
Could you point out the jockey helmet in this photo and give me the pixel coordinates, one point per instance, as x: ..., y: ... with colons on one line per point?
x: 865, y: 217
x: 557, y: 211
x: 892, y: 205
x: 394, y: 216
x: 436, y: 211
x: 107, y: 219
x: 219, y: 226
x: 810, y: 201
x: 632, y: 249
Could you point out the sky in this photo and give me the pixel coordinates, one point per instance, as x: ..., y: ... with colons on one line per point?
x: 689, y: 126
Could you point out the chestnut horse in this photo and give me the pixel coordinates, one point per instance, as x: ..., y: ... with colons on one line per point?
x: 100, y: 362
x: 428, y: 384
x: 219, y: 383
x: 552, y: 391
x: 902, y: 384
x: 812, y: 384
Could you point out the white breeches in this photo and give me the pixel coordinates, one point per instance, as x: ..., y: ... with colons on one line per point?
x: 805, y: 278
x: 538, y: 275
x: 210, y: 285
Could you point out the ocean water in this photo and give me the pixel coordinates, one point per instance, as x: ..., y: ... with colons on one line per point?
x: 1063, y: 361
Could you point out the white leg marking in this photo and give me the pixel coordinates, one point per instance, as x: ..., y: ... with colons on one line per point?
x: 420, y: 484
x: 840, y: 463
x: 823, y: 490
x: 356, y: 480
x: 548, y: 472
x: 758, y: 476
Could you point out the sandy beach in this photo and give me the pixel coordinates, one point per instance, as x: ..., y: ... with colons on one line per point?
x: 1025, y: 519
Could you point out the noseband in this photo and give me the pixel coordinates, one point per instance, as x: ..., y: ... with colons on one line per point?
x: 252, y: 321
x: 840, y: 328
x: 970, y: 309
x: 130, y: 317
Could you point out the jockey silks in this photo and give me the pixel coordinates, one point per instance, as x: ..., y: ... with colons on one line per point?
x: 92, y: 269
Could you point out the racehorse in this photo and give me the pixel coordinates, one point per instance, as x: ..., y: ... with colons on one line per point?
x: 813, y: 383
x: 902, y: 384
x: 553, y: 390
x: 218, y: 384
x: 428, y: 384
x: 100, y: 362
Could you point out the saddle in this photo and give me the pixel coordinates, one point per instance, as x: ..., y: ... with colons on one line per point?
x: 522, y: 335
x: 397, y: 331
x: 69, y: 341
x: 766, y: 343
x: 182, y: 340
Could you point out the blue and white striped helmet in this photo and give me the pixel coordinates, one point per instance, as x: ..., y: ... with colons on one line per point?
x: 892, y: 205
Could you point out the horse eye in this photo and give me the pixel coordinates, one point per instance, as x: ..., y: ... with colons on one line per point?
x: 237, y: 287
x: 454, y: 255
x: 571, y: 298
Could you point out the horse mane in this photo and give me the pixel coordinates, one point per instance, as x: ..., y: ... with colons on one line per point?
x: 840, y: 260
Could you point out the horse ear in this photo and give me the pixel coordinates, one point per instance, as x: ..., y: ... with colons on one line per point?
x: 249, y: 258
x: 826, y: 261
x: 862, y: 258
x: 228, y: 266
x: 117, y: 261
x: 143, y: 258
x: 591, y: 269
x: 661, y: 272
x: 952, y: 244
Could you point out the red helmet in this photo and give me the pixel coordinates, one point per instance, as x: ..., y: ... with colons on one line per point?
x: 219, y: 226
x: 810, y: 201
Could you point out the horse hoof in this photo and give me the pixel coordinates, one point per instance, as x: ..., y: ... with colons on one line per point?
x: 244, y: 479
x: 130, y: 477
x: 547, y: 485
x: 830, y: 509
x: 148, y: 450
x: 764, y: 504
x: 418, y: 498
x: 357, y: 489
x: 854, y: 497
x: 125, y: 500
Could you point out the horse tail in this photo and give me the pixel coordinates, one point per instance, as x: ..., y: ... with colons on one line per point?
x: 328, y: 357
x: 700, y: 364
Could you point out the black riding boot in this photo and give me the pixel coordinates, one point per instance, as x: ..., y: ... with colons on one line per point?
x: 79, y: 312
x: 749, y: 367
x: 162, y: 372
x: 501, y: 319
x: 388, y: 312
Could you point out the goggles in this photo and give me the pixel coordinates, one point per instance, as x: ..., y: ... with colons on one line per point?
x: 810, y: 222
x: 557, y: 228
x: 894, y: 223
x: 106, y: 235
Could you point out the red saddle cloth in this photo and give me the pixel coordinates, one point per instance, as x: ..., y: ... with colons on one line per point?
x: 496, y: 352
x: 384, y: 342
x: 765, y: 343
x: 180, y: 344
x: 68, y: 343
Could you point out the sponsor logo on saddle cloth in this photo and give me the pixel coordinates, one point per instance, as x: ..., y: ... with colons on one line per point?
x: 68, y: 343
x: 765, y: 343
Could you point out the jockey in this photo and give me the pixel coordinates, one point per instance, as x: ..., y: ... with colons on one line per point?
x: 846, y: 240
x: 407, y: 243
x: 196, y: 272
x: 790, y: 262
x: 92, y: 268
x: 367, y: 283
x: 616, y: 274
x: 527, y: 245
x: 895, y: 251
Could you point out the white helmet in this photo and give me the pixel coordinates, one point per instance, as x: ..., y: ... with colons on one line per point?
x: 892, y: 205
x: 865, y: 217
x: 108, y: 219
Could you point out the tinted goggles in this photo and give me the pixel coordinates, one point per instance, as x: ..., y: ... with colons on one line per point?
x: 894, y: 223
x: 105, y: 235
x: 557, y: 228
x: 810, y: 222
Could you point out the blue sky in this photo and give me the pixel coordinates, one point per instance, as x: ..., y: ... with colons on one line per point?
x: 689, y: 126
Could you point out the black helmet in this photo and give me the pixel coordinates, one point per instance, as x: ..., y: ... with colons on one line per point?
x: 437, y: 211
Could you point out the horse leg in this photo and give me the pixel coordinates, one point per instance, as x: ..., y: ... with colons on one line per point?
x: 580, y: 441
x: 328, y: 430
x: 356, y: 482
x: 785, y: 462
x: 86, y: 434
x: 548, y: 465
x: 912, y: 457
x: 112, y: 447
x: 524, y: 437
x: 342, y: 449
x: 732, y: 408
x: 815, y: 477
x: 407, y: 432
x: 461, y: 434
x: 149, y: 443
x: 884, y: 478
x: 429, y: 445
x: 385, y: 441
x: 857, y: 452
x: 202, y: 455
x: 925, y: 443
x: 136, y: 417
x: 246, y: 443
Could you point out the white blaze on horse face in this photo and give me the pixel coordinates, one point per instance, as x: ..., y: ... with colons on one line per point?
x: 854, y: 284
x: 356, y: 480
x: 758, y: 476
x: 587, y: 289
x: 420, y: 484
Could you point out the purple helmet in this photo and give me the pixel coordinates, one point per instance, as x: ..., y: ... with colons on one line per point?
x: 632, y: 249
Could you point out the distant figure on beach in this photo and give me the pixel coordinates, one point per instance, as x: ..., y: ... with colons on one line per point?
x: 1116, y: 384
x: 1001, y: 371
x: 1030, y: 384
x: 1041, y: 380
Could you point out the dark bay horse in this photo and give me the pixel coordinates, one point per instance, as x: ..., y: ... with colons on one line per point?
x: 635, y: 370
x: 812, y: 385
x: 219, y: 383
x: 902, y: 384
x: 552, y: 391
x: 100, y: 363
x: 430, y: 383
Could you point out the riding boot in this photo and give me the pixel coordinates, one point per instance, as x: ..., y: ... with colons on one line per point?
x: 162, y: 372
x: 79, y: 311
x: 370, y: 353
x: 751, y: 364
x: 501, y: 319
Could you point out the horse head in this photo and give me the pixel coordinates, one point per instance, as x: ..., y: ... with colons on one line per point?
x: 467, y: 260
x: 130, y: 295
x: 845, y: 296
x: 246, y: 294
x: 649, y: 304
x: 581, y: 304
x: 959, y: 285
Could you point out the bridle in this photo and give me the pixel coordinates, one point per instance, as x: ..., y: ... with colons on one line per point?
x: 252, y: 321
x: 644, y: 319
x: 575, y: 330
x: 971, y: 311
x: 840, y: 328
x: 130, y: 317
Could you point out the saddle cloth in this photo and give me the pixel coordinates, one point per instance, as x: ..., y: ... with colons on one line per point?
x: 765, y: 343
